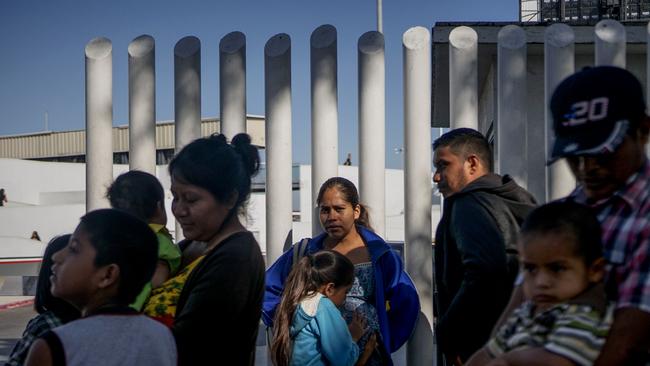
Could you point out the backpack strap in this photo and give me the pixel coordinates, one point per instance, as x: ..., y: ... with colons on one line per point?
x: 299, y: 250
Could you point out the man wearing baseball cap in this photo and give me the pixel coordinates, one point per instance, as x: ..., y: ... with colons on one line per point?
x: 601, y: 128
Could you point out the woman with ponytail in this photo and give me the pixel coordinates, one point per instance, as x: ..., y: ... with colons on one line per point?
x: 213, y: 304
x: 382, y: 293
x: 309, y: 327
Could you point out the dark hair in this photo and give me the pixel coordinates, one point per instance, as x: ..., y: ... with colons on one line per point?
x: 122, y: 239
x: 44, y: 300
x: 465, y: 141
x: 350, y: 194
x: 218, y: 167
x: 568, y: 217
x: 137, y: 193
x: 306, y: 277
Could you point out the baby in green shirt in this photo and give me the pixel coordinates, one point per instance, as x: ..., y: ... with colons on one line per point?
x: 142, y: 195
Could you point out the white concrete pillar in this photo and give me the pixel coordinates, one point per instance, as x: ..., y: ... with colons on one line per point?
x: 324, y: 112
x: 187, y: 96
x: 142, y: 104
x: 417, y: 186
x: 372, y: 127
x: 463, y: 78
x: 187, y: 90
x: 559, y: 63
x: 99, y: 122
x: 512, y: 118
x: 380, y: 17
x: 277, y: 98
x: 232, y: 84
x: 609, y: 39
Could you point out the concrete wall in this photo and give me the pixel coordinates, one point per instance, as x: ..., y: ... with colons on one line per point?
x: 49, y: 198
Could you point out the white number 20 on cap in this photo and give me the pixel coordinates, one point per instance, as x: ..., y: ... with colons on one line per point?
x: 587, y: 110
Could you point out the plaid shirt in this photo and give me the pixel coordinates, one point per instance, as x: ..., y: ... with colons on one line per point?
x: 625, y: 220
x: 36, y: 327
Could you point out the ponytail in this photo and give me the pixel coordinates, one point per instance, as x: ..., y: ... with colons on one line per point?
x: 364, y: 217
x: 306, y: 277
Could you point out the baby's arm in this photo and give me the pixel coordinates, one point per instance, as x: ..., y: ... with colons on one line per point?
x: 161, y: 274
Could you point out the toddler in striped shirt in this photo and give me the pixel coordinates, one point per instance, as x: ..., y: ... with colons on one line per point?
x: 566, y: 316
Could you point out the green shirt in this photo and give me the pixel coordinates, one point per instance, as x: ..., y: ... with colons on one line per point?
x: 168, y: 252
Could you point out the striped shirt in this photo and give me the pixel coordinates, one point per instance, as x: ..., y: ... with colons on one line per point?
x: 625, y: 220
x: 36, y: 327
x: 575, y: 330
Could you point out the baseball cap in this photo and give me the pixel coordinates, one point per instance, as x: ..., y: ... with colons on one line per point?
x: 592, y: 111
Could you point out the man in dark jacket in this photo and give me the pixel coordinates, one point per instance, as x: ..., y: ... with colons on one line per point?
x: 475, y: 247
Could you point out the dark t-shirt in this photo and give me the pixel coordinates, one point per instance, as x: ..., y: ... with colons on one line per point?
x: 219, y: 309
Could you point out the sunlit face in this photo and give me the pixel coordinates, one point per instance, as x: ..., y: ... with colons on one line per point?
x: 197, y: 211
x: 337, y: 215
x: 335, y: 294
x: 75, y: 277
x: 553, y: 273
x: 603, y: 175
x: 451, y: 171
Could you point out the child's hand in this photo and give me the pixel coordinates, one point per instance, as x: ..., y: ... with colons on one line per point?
x: 367, y: 351
x: 357, y: 327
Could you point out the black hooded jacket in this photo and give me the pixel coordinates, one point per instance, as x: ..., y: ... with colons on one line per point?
x: 476, y: 260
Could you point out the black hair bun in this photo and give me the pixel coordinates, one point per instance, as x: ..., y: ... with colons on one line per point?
x: 219, y: 138
x: 242, y: 144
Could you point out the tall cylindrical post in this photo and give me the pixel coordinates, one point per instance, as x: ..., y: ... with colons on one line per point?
x: 559, y: 63
x: 609, y: 39
x: 232, y: 83
x: 99, y: 121
x: 417, y: 185
x: 380, y: 16
x: 463, y: 78
x: 142, y: 104
x: 372, y: 127
x: 277, y: 89
x: 324, y: 112
x: 187, y: 95
x: 511, y: 130
x: 187, y: 90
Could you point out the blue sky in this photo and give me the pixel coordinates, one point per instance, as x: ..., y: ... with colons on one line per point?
x: 42, y: 54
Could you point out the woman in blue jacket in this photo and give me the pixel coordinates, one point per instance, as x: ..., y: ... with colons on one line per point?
x: 382, y: 293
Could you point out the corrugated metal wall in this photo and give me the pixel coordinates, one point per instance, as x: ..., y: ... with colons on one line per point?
x: 45, y: 145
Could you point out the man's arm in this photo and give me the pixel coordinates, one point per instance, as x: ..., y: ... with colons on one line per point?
x: 629, y: 335
x: 532, y: 357
x: 484, y: 267
x: 480, y: 358
x: 516, y: 299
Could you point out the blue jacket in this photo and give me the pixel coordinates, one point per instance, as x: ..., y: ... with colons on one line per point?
x: 396, y: 299
x: 322, y: 338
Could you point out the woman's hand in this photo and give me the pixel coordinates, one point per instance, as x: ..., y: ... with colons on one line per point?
x: 368, y: 350
x: 357, y: 327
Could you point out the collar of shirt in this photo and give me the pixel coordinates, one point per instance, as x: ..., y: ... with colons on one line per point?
x: 156, y: 227
x: 637, y: 185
